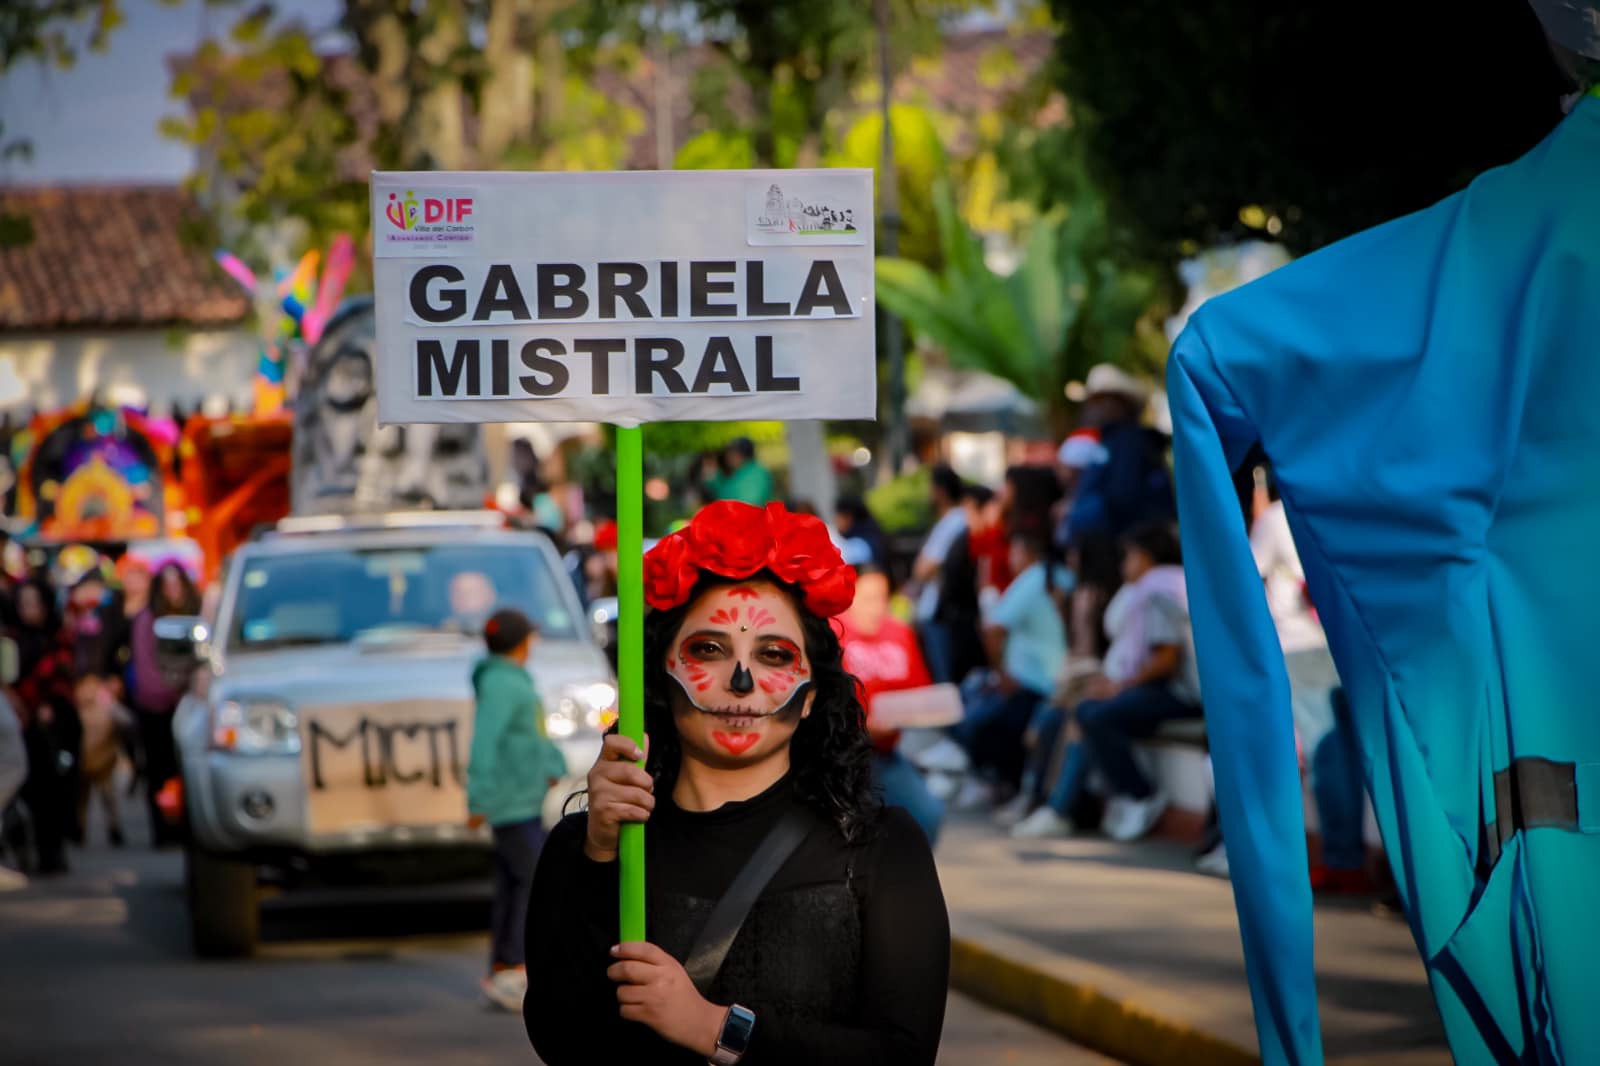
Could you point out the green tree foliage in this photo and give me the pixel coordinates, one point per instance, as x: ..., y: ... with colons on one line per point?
x: 55, y: 31
x: 902, y: 504
x: 478, y: 84
x: 1069, y: 303
x: 1215, y: 121
x: 694, y: 438
x: 52, y: 32
x: 788, y: 74
x: 796, y: 58
x: 716, y: 150
x: 728, y: 143
x: 920, y: 163
x: 275, y: 130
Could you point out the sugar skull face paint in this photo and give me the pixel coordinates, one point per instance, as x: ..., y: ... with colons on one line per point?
x: 740, y: 662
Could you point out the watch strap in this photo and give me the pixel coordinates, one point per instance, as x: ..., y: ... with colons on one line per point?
x: 734, y: 1040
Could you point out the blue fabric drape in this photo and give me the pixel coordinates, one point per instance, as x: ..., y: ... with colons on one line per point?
x: 1427, y: 393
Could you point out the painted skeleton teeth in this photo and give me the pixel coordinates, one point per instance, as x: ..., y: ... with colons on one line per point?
x: 741, y: 712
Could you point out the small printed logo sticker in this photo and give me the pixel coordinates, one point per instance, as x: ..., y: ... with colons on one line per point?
x: 437, y: 220
x: 807, y: 209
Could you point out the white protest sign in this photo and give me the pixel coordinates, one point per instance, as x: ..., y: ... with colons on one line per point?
x: 624, y: 297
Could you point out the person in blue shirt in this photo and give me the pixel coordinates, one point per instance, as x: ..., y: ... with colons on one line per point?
x: 1129, y: 483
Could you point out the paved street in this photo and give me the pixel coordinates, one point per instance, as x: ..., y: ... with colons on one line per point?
x: 95, y: 968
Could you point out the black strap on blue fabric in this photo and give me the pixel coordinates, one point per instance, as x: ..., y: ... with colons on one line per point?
x: 1483, y: 1019
x: 1532, y: 793
x: 727, y: 918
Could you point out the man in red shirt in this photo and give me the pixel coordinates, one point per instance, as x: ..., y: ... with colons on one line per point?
x: 883, y: 654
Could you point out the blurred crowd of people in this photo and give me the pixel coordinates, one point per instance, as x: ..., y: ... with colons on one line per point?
x: 86, y: 694
x: 1044, y: 620
x: 1056, y: 603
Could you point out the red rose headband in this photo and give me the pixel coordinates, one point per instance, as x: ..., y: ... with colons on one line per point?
x: 736, y: 540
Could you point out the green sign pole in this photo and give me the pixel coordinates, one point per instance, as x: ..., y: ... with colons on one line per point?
x: 630, y: 656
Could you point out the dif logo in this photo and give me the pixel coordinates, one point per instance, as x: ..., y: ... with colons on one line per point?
x: 410, y: 212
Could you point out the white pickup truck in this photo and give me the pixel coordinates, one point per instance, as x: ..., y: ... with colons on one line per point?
x: 325, y: 741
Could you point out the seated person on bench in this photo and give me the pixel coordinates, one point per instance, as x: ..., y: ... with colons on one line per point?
x: 1149, y: 679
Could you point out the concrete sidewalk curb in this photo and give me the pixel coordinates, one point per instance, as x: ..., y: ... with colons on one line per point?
x: 1080, y: 1010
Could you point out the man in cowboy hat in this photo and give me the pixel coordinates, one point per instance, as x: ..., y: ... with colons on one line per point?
x: 1131, y: 484
x: 1114, y: 395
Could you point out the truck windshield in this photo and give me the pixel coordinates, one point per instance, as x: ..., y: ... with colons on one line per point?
x: 334, y: 597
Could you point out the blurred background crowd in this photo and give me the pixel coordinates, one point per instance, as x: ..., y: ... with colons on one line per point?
x: 1040, y: 612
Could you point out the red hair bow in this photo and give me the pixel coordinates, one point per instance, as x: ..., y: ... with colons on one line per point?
x: 736, y: 540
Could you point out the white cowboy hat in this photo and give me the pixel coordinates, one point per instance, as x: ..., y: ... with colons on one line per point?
x: 1106, y: 379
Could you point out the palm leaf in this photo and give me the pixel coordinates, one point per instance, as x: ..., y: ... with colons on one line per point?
x: 1068, y: 303
x: 914, y: 293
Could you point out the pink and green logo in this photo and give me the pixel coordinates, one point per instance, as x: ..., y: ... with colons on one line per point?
x: 404, y: 214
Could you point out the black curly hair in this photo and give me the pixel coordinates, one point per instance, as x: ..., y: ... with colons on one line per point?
x: 831, y: 753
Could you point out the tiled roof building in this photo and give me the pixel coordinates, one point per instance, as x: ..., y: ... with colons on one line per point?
x: 110, y: 257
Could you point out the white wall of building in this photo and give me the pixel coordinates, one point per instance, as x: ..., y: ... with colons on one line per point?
x: 154, y: 366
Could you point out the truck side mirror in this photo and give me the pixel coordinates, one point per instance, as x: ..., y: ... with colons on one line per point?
x: 603, y: 621
x: 180, y: 643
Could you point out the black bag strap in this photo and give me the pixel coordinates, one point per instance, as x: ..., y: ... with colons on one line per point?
x: 727, y: 917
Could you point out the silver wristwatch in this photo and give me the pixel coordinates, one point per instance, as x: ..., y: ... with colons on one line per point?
x: 735, y: 1038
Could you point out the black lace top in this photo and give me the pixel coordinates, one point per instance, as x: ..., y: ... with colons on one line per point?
x: 844, y: 959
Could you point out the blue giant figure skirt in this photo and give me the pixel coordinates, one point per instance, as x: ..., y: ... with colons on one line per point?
x: 1428, y: 394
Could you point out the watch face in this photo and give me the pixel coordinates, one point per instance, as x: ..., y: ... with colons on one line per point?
x: 737, y: 1029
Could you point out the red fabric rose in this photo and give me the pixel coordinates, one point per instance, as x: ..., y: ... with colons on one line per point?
x: 730, y: 538
x: 833, y: 593
x: 670, y: 572
x: 737, y: 540
x: 802, y: 551
x: 803, y: 554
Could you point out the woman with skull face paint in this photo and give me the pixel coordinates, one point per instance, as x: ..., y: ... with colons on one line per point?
x: 752, y: 721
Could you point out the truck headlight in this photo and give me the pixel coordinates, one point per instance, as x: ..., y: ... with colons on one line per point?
x: 592, y: 706
x: 255, y: 727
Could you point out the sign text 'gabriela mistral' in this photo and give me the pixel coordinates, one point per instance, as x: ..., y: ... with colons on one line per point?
x: 626, y: 298
x: 708, y: 291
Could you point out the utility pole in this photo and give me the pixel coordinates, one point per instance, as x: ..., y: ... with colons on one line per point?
x: 661, y: 62
x: 889, y: 245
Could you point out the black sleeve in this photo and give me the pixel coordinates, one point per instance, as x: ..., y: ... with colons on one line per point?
x: 905, y: 969
x: 571, y: 1005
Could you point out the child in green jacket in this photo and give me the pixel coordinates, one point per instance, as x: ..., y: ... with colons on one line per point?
x: 513, y: 764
